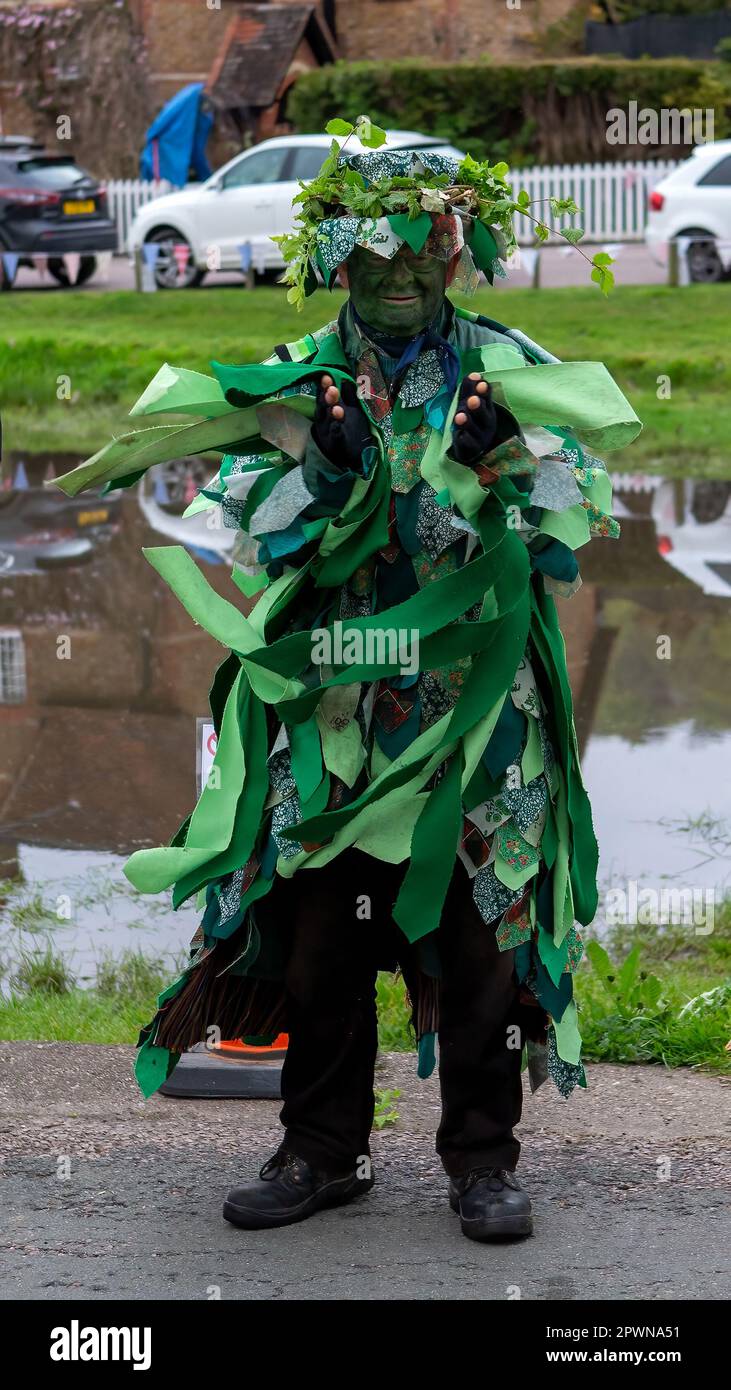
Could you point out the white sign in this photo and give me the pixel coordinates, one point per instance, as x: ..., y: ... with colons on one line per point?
x: 205, y: 750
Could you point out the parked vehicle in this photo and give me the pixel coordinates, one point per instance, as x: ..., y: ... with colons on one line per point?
x: 693, y: 526
x: 695, y: 201
x: 248, y: 200
x: 51, y: 207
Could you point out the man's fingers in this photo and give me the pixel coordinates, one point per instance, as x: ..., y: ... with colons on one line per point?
x: 338, y: 412
x: 332, y: 395
x: 460, y: 418
x: 326, y: 381
x: 473, y: 402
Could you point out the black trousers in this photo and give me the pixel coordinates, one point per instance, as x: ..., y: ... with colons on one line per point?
x: 339, y: 921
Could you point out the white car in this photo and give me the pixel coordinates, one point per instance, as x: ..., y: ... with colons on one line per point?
x: 695, y: 201
x: 247, y: 200
x: 693, y: 532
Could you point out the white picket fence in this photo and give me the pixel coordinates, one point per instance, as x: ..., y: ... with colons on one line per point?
x: 125, y: 196
x: 612, y: 197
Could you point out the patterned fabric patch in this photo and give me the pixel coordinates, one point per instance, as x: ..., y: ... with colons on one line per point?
x: 575, y: 947
x: 354, y: 605
x: 280, y: 772
x: 433, y: 522
x: 527, y: 804
x: 426, y: 569
x: 446, y: 237
x: 512, y: 457
x: 435, y: 700
x: 600, y: 524
x: 422, y: 380
x: 287, y: 499
x: 565, y: 1075
x: 492, y: 897
x: 336, y: 237
x: 513, y: 848
x: 404, y: 454
x: 389, y: 164
x: 555, y: 487
x: 286, y: 814
x: 524, y: 691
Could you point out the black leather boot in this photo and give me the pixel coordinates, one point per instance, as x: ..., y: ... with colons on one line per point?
x: 288, y: 1189
x: 491, y: 1205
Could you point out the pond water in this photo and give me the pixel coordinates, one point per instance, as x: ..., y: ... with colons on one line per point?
x: 102, y: 678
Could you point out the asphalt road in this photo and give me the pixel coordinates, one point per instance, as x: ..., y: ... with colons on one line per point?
x: 106, y: 1196
x: 559, y: 267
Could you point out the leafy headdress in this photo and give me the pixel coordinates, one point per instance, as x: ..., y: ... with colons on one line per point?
x: 382, y: 199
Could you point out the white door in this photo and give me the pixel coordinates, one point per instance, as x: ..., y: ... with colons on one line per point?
x: 248, y: 205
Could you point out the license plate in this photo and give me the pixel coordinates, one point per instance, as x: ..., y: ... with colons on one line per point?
x: 93, y: 518
x: 84, y: 205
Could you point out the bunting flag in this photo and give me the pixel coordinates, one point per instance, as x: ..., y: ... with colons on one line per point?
x: 150, y: 253
x: 181, y: 252
x: 72, y: 261
x: 20, y: 479
x: 245, y: 256
x: 10, y: 265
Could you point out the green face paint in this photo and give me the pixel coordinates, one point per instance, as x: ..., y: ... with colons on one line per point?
x: 400, y: 296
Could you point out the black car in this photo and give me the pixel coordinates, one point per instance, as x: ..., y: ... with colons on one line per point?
x: 49, y: 206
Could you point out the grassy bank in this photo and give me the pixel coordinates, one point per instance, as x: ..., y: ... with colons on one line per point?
x: 617, y: 1026
x: 110, y: 345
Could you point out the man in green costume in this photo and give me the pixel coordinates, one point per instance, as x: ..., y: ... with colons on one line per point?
x: 396, y: 782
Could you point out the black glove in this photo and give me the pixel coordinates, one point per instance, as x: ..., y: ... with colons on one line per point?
x: 475, y: 425
x: 340, y: 427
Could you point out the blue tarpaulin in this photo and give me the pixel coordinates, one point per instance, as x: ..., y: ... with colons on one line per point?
x: 175, y: 143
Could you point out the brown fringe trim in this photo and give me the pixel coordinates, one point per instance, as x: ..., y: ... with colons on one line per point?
x: 237, y: 1005
x: 422, y: 993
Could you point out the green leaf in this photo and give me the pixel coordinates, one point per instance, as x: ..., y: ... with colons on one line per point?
x: 572, y: 234
x: 601, y: 962
x: 563, y: 205
x: 369, y: 134
x: 602, y: 258
x: 542, y: 232
x: 627, y: 975
x: 499, y: 171
x: 339, y: 127
x: 523, y: 198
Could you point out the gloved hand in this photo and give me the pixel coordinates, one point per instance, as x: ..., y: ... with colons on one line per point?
x: 340, y: 427
x: 475, y: 421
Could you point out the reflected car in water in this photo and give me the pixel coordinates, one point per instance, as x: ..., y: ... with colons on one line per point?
x: 43, y: 530
x: 693, y: 528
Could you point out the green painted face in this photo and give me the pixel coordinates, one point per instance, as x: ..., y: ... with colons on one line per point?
x: 400, y: 296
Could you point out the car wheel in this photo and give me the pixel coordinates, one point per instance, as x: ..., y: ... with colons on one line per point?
x: 710, y: 499
x: 704, y: 263
x: 57, y: 268
x: 167, y: 276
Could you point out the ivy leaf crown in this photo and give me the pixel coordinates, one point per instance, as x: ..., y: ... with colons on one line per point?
x: 480, y: 191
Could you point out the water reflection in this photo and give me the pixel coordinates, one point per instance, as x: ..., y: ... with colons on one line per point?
x: 102, y: 675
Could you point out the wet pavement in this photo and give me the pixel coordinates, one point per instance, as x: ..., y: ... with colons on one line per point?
x: 106, y: 1196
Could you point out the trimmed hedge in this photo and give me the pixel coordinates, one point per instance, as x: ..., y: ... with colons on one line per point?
x: 542, y: 113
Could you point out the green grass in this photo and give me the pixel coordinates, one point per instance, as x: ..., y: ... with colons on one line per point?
x: 110, y: 345
x: 45, y: 1005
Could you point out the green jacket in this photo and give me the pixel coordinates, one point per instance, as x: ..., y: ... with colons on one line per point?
x: 469, y: 750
